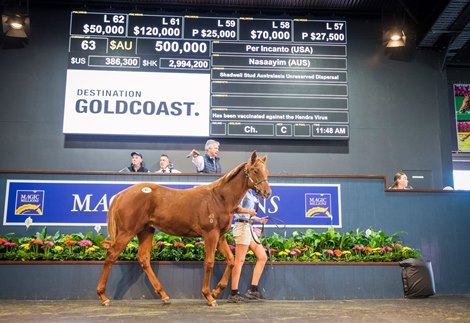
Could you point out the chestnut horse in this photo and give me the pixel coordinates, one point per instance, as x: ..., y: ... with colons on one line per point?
x: 465, y: 104
x: 204, y: 211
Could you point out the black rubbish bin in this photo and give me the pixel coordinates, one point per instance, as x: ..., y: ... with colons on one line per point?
x: 418, y: 278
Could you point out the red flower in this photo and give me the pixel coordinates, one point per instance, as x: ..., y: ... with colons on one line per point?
x: 106, y: 244
x: 36, y: 241
x: 70, y: 242
x: 178, y: 244
x: 2, y: 241
x: 338, y: 253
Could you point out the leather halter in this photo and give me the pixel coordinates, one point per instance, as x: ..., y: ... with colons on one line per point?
x: 255, y: 184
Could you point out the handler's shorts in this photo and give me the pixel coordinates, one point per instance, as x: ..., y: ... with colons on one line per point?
x: 243, y: 233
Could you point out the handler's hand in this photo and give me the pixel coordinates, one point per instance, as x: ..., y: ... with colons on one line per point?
x: 262, y: 220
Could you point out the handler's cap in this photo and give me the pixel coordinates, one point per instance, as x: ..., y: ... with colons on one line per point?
x: 137, y: 153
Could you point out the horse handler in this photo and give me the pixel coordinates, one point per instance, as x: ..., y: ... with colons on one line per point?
x: 246, y: 237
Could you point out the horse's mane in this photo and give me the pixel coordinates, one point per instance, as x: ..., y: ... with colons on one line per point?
x: 227, y: 177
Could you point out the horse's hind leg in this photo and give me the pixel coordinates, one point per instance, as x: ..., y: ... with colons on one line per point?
x: 143, y: 255
x: 120, y: 242
x: 227, y: 253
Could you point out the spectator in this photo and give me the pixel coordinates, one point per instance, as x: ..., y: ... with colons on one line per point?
x: 400, y: 182
x: 210, y: 162
x: 166, y: 165
x: 137, y: 164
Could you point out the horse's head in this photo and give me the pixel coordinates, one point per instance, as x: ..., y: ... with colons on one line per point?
x: 257, y: 175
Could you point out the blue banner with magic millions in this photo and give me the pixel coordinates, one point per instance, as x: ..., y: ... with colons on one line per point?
x: 83, y: 203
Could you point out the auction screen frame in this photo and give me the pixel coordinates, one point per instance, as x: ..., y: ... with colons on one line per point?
x: 206, y: 76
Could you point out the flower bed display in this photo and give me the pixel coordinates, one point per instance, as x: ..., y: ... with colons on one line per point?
x: 305, y: 246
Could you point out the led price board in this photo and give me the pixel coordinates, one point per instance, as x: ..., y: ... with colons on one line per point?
x: 183, y: 75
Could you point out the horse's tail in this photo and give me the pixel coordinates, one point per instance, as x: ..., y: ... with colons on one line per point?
x: 111, y: 219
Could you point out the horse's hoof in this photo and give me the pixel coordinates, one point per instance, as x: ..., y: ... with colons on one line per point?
x: 213, y: 303
x: 106, y: 303
x: 166, y: 300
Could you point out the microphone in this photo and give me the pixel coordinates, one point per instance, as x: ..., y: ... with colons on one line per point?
x: 171, y: 166
x: 193, y: 152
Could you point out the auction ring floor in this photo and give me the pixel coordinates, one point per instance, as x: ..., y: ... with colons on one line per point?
x: 433, y: 309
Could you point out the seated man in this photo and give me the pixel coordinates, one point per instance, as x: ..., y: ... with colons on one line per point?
x: 166, y: 166
x: 137, y: 164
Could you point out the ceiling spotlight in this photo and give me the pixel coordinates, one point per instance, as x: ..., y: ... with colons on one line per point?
x: 396, y: 39
x: 15, y: 26
x: 16, y: 22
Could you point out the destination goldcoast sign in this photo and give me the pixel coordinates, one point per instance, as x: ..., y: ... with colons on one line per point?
x: 132, y: 107
x: 83, y: 203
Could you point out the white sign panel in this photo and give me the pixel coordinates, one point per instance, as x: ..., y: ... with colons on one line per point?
x: 136, y: 103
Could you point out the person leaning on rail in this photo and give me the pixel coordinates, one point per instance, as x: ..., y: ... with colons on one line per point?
x: 400, y: 182
x: 137, y: 164
x: 209, y: 162
x: 166, y: 166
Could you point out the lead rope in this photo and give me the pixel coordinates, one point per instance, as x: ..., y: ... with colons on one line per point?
x: 258, y: 241
x: 280, y: 225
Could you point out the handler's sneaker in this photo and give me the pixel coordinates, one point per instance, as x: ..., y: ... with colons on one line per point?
x: 253, y: 295
x: 237, y: 298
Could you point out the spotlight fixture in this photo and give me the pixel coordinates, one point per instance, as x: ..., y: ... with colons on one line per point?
x: 396, y: 39
x: 15, y: 26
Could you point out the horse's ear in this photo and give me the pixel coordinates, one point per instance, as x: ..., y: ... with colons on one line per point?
x: 264, y: 159
x: 254, y: 156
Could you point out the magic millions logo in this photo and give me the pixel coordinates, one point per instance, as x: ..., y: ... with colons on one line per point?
x: 29, y: 202
x: 318, y: 205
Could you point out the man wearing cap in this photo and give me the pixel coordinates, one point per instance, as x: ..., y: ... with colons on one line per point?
x: 137, y: 164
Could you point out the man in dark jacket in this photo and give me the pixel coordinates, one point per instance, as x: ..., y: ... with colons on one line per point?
x: 137, y: 164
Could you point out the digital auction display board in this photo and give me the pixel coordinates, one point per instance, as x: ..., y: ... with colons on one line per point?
x: 240, y: 77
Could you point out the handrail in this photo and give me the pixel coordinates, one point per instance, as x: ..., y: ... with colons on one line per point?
x: 61, y: 172
x: 153, y: 174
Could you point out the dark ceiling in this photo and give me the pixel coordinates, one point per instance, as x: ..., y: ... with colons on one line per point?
x: 442, y: 25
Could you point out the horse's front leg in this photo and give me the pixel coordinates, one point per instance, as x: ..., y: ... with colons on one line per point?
x: 229, y: 259
x: 118, y: 245
x: 210, y: 242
